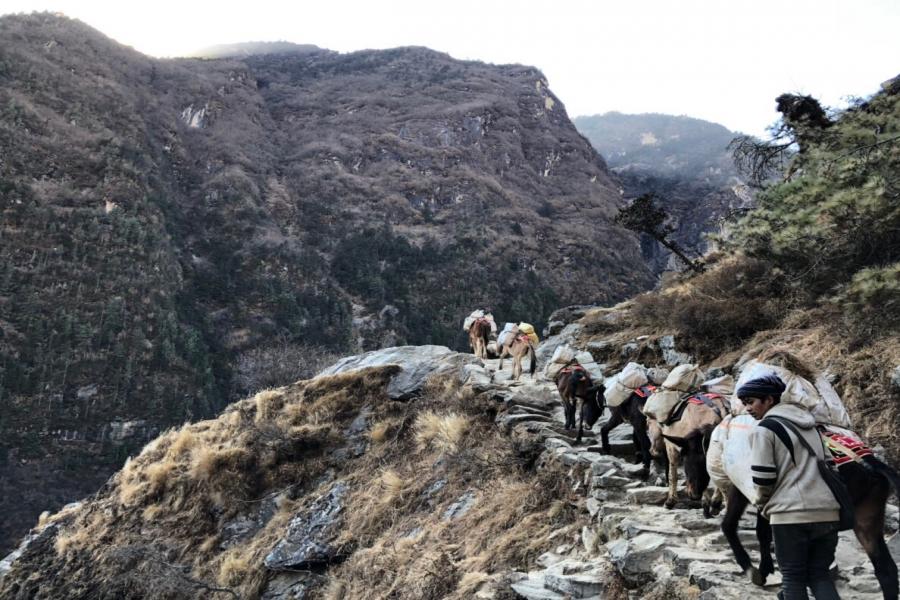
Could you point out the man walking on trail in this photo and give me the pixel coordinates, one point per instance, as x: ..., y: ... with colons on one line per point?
x: 790, y: 492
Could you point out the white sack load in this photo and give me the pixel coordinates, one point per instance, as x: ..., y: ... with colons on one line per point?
x: 563, y: 354
x: 474, y: 316
x: 820, y: 399
x: 657, y: 375
x: 620, y: 386
x: 594, y: 370
x: 633, y: 376
x: 584, y: 357
x: 684, y: 378
x: 723, y: 385
x: 509, y: 332
x: 479, y: 314
x: 728, y: 460
x: 552, y: 369
x: 616, y: 392
x: 831, y: 410
x: 660, y: 404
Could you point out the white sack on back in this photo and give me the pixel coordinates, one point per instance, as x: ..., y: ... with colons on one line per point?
x: 584, y: 357
x: 616, y: 392
x: 797, y: 391
x: 474, y: 316
x: 714, y: 465
x: 684, y: 378
x: 831, y: 410
x: 594, y: 370
x: 723, y: 385
x: 734, y: 434
x: 633, y: 376
x: 660, y: 404
x: 551, y: 370
x: 563, y: 354
x: 657, y: 375
x: 509, y: 331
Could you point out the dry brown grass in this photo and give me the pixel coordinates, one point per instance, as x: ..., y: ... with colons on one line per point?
x: 378, y: 433
x: 268, y: 402
x: 440, y: 432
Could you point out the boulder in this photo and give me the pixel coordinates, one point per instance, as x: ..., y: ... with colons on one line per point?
x: 417, y: 364
x: 634, y: 558
x: 671, y: 356
x: 310, y: 534
x: 459, y: 508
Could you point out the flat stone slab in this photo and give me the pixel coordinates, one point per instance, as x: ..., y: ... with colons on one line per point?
x: 647, y: 495
x: 682, y: 557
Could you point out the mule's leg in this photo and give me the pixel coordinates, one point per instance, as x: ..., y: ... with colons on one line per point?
x: 869, y: 529
x: 764, y: 535
x: 712, y: 502
x: 569, y: 412
x: 639, y: 425
x: 580, y: 421
x: 615, y: 418
x: 673, y: 452
x: 735, y: 507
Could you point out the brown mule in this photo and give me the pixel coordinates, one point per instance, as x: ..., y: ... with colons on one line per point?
x: 479, y: 333
x: 518, y: 348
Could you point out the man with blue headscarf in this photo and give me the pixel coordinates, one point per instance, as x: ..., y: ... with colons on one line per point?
x: 789, y: 491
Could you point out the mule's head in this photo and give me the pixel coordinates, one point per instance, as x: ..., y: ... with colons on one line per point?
x: 657, y: 442
x: 594, y: 403
x: 693, y: 456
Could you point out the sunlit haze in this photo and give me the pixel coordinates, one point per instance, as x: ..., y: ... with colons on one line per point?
x: 720, y: 60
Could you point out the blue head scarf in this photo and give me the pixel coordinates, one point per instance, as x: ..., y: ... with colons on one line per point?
x: 769, y: 385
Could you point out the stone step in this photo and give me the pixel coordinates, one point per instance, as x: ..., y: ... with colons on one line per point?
x: 528, y: 410
x: 727, y: 581
x: 531, y: 587
x: 681, y: 558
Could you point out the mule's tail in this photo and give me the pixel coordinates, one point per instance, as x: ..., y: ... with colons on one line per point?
x: 485, y: 333
x: 885, y: 470
x: 533, y: 360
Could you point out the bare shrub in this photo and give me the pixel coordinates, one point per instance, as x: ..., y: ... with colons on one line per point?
x: 281, y: 363
x: 728, y: 303
x: 442, y: 432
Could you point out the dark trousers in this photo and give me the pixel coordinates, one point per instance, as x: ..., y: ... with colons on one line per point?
x: 804, y: 552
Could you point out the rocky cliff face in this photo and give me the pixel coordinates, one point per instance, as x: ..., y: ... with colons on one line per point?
x: 684, y: 162
x: 163, y: 219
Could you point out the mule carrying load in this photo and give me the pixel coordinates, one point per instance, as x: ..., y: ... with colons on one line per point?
x: 567, y: 356
x: 479, y: 314
x: 480, y: 327
x: 728, y: 458
x: 869, y: 480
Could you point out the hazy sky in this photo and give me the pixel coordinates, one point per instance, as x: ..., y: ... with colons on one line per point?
x: 720, y: 60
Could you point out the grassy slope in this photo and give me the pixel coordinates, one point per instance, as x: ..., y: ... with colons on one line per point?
x: 167, y: 507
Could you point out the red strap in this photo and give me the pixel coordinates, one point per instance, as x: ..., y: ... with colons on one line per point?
x: 644, y: 391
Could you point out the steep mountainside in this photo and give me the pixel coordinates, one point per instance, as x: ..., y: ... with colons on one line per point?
x: 683, y: 161
x: 164, y: 219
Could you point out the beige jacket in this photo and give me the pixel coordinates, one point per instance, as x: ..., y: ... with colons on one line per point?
x: 786, y: 479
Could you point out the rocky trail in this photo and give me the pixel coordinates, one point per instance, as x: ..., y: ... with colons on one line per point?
x: 629, y: 528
